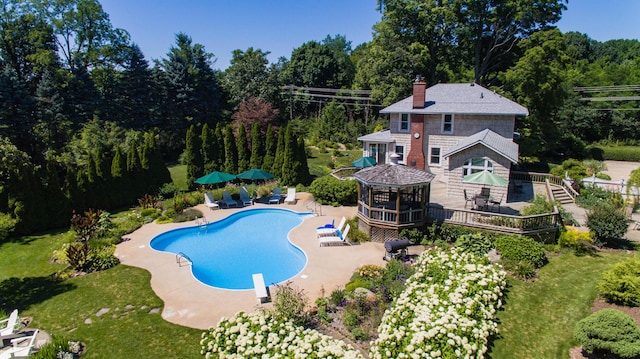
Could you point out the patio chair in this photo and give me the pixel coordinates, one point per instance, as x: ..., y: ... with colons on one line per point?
x: 210, y: 202
x: 20, y: 347
x: 493, y: 202
x: 329, y: 225
x: 291, y: 196
x: 9, y: 324
x: 326, y: 232
x: 480, y: 203
x: 228, y: 201
x: 485, y: 192
x: 336, y: 240
x: 467, y: 198
x: 276, y: 196
x: 244, y: 197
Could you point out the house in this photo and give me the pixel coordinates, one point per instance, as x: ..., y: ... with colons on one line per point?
x: 450, y: 130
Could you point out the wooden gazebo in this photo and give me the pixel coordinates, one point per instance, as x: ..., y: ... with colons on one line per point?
x: 391, y: 197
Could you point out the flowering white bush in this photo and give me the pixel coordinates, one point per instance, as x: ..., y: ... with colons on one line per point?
x: 260, y: 335
x: 447, y: 309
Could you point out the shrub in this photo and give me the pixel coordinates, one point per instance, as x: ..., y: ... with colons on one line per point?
x: 330, y: 190
x: 289, y: 304
x: 539, y: 205
x: 591, y: 196
x: 621, y: 283
x: 617, y: 153
x: 7, y: 225
x: 476, y: 243
x: 521, y: 248
x: 572, y: 238
x: 59, y: 347
x: 187, y: 215
x: 519, y: 269
x: 608, y: 222
x: 356, y: 235
x: 609, y: 331
x: 102, y: 259
x: 574, y: 168
x: 338, y: 297
x: 414, y: 235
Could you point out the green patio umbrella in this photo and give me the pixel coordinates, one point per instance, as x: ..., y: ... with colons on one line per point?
x: 364, y: 162
x: 215, y: 177
x: 485, y: 177
x: 255, y: 174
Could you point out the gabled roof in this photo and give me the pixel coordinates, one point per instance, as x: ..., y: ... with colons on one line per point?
x: 501, y: 145
x: 380, y: 136
x: 459, y: 99
x: 393, y: 176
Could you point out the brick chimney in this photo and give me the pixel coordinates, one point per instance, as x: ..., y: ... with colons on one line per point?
x: 419, y: 86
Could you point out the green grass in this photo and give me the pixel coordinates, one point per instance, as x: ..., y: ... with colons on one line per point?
x: 179, y: 176
x: 538, y: 318
x: 319, y: 163
x: 62, y: 308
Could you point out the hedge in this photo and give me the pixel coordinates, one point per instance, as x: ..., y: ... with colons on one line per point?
x: 617, y: 153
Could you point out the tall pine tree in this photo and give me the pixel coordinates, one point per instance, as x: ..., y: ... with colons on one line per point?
x: 303, y: 175
x: 269, y: 149
x: 290, y: 162
x: 243, y: 149
x: 257, y: 151
x: 193, y: 156
x: 276, y: 169
x: 230, y: 151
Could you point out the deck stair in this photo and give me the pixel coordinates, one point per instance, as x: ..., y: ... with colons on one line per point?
x: 561, y: 195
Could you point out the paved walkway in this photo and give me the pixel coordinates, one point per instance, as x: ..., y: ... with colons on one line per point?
x: 193, y: 304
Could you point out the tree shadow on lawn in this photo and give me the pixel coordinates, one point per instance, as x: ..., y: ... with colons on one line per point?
x: 22, y: 293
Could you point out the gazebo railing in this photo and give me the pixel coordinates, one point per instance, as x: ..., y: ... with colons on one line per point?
x: 391, y: 216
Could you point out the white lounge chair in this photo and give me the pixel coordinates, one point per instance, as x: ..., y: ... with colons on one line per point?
x: 328, y: 232
x: 336, y: 240
x: 244, y: 197
x: 21, y: 347
x: 228, y: 201
x: 210, y: 202
x: 8, y: 325
x: 276, y: 197
x: 291, y: 196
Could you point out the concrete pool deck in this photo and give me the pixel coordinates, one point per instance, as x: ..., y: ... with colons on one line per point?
x: 190, y: 303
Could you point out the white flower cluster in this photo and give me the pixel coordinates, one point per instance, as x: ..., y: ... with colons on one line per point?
x: 259, y: 335
x: 447, y: 309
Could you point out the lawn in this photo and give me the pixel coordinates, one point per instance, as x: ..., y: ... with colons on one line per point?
x: 321, y: 164
x: 539, y: 316
x: 179, y: 176
x: 133, y: 326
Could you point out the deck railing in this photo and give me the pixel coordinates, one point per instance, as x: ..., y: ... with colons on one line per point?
x: 386, y: 216
x: 544, y: 178
x: 496, y: 221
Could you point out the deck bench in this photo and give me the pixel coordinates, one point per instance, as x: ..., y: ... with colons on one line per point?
x: 261, y: 289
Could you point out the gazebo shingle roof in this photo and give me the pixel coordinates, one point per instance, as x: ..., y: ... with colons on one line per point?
x: 393, y: 175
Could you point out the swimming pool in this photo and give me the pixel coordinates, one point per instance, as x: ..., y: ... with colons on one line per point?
x: 226, y: 253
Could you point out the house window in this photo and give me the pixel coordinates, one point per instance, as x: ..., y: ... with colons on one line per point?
x: 434, y: 156
x: 403, y: 126
x: 400, y: 152
x: 474, y: 165
x: 447, y: 123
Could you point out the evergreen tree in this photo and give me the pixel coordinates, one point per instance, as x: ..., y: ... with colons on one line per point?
x: 193, y: 156
x: 290, y: 163
x: 276, y: 169
x: 136, y: 91
x: 303, y: 175
x: 269, y: 149
x: 230, y: 151
x: 119, y: 177
x: 257, y: 151
x: 243, y: 149
x: 218, y: 154
x: 52, y: 127
x: 118, y: 164
x: 208, y: 148
x: 158, y: 171
x: 16, y: 111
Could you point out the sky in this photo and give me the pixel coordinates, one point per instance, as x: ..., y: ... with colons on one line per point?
x: 280, y: 26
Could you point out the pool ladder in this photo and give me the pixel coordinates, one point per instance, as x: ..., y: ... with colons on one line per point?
x: 315, y: 207
x: 183, y: 259
x: 202, y: 224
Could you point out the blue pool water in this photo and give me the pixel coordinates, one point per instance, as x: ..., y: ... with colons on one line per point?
x: 226, y: 253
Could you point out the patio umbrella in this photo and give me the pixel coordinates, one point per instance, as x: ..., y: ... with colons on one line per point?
x: 485, y: 177
x: 215, y: 177
x: 364, y: 162
x: 255, y: 174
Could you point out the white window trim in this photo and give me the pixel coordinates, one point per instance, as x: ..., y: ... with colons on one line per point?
x: 469, y: 167
x: 408, y: 123
x: 439, y: 156
x: 442, y: 123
